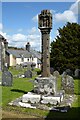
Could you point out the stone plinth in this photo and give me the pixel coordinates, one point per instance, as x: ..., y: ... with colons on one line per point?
x: 30, y: 97
x: 54, y: 100
x: 45, y: 85
x: 44, y: 99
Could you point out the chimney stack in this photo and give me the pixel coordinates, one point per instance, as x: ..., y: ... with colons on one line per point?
x: 28, y: 47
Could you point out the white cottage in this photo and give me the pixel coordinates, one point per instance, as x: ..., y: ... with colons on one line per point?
x: 24, y: 56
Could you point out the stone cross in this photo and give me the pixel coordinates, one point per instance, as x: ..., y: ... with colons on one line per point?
x: 45, y: 25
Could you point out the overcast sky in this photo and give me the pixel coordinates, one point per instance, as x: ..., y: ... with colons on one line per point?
x: 19, y: 23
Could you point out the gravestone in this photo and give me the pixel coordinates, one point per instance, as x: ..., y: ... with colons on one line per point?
x: 28, y: 67
x: 7, y: 78
x: 69, y: 72
x: 17, y: 67
x: 28, y: 74
x: 33, y: 66
x: 77, y: 73
x: 67, y: 84
x: 56, y: 74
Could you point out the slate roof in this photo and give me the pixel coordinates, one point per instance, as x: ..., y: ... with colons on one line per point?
x: 19, y: 53
x: 35, y: 53
x: 25, y: 53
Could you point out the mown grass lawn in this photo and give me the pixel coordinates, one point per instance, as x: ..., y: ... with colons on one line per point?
x: 23, y: 85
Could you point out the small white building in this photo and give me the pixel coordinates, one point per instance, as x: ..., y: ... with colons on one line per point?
x: 24, y: 56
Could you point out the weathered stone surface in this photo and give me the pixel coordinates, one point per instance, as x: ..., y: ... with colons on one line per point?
x: 45, y: 85
x: 77, y: 73
x: 45, y: 25
x: 51, y: 100
x: 18, y: 67
x: 34, y: 98
x: 69, y: 72
x: 43, y: 107
x: 56, y: 74
x: 26, y: 105
x: 30, y: 97
x: 67, y: 84
x: 28, y: 74
x: 7, y: 78
x: 28, y: 67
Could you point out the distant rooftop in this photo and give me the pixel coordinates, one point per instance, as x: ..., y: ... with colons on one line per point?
x: 24, y: 53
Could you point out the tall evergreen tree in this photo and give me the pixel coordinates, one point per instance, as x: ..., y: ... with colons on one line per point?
x: 65, y: 49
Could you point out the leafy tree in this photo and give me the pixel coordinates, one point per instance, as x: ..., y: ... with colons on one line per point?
x: 65, y: 49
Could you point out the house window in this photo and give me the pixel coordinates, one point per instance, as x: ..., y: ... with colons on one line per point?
x: 28, y: 59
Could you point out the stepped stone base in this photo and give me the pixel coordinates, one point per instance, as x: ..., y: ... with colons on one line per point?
x: 30, y: 97
x: 44, y: 102
x: 34, y: 98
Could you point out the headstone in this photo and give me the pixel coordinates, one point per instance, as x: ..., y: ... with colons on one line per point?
x: 17, y: 67
x: 67, y: 84
x: 64, y: 73
x: 7, y: 78
x: 69, y: 72
x: 33, y: 66
x: 56, y: 74
x: 77, y: 73
x: 28, y: 67
x: 28, y: 74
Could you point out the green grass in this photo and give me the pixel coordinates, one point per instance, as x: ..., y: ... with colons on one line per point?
x: 22, y: 85
x: 19, y: 87
x: 59, y: 83
x: 14, y: 71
